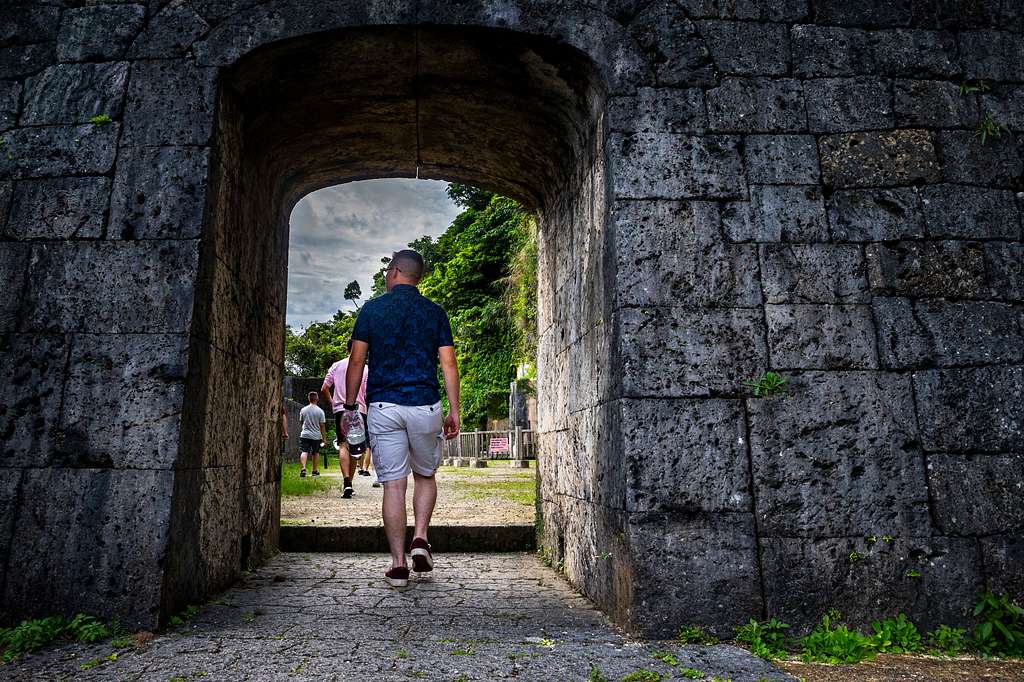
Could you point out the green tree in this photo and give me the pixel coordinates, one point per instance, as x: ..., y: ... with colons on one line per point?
x: 353, y: 292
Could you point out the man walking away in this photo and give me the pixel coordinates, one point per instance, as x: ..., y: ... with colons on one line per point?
x: 404, y: 335
x: 313, y: 434
x: 334, y: 391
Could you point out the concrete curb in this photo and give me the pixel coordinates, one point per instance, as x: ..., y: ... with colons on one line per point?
x: 516, y: 538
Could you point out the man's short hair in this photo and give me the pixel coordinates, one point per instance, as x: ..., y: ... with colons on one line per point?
x: 312, y: 396
x: 409, y: 263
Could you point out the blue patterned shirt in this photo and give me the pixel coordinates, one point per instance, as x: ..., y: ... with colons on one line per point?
x: 404, y: 330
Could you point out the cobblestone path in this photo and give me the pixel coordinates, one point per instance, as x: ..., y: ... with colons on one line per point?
x: 332, y: 617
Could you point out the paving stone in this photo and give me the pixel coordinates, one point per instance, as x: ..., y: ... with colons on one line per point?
x: 936, y: 104
x: 61, y: 208
x: 757, y: 105
x: 790, y: 213
x: 169, y: 103
x: 74, y: 93
x: 915, y: 53
x: 977, y: 494
x: 170, y: 33
x: 942, y: 269
x: 24, y: 60
x: 813, y: 273
x: 830, y: 51
x: 1003, y: 555
x: 58, y: 150
x: 965, y: 159
x: 10, y: 102
x: 897, y: 157
x: 159, y: 193
x: 98, y: 32
x: 665, y: 166
x: 874, y: 215
x: 992, y: 55
x: 659, y: 110
x: 32, y: 370
x: 782, y: 159
x: 876, y: 13
x: 743, y: 48
x: 979, y: 409
x: 838, y: 455
x: 821, y: 337
x: 836, y: 105
x: 947, y: 333
x: 673, y: 45
x: 969, y: 212
x: 696, y: 352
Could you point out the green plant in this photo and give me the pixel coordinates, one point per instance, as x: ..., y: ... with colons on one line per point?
x: 832, y: 642
x: 1000, y: 630
x: 183, y: 618
x: 88, y: 665
x: 691, y: 673
x: 596, y: 675
x: 544, y: 554
x: 546, y: 643
x: 988, y: 127
x: 767, y: 640
x: 895, y: 635
x: 768, y: 383
x: 100, y: 120
x: 32, y: 635
x: 913, y: 573
x: 695, y: 634
x: 871, y: 539
x: 968, y: 88
x: 888, y: 539
x: 666, y: 657
x: 402, y: 653
x: 855, y: 557
x: 947, y: 641
x: 642, y: 675
x: 468, y: 651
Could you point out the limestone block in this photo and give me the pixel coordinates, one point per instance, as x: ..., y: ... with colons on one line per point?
x: 221, y: 524
x: 159, y: 192
x: 947, y: 333
x: 838, y: 455
x: 681, y: 352
x: 896, y: 157
x: 977, y: 494
x: 821, y: 336
x: 14, y: 260
x: 123, y: 401
x: 831, y: 51
x: 58, y: 150
x: 837, y: 105
x: 873, y: 215
x: 703, y: 566
x: 170, y: 102
x: 1004, y: 270
x: 947, y: 269
x: 908, y: 52
x: 111, y: 287
x: 1006, y: 105
x: 746, y: 105
x: 10, y: 483
x: 686, y: 456
x: 32, y: 371
x: 744, y: 48
x: 74, y: 93
x: 98, y: 543
x: 1003, y: 555
x: 813, y: 273
x: 955, y: 15
x: 677, y: 52
x: 791, y: 213
x: 27, y: 23
x: 170, y: 33
x: 10, y: 101
x: 806, y: 576
x: 6, y: 190
x: 59, y: 208
x: 969, y: 212
x: 965, y: 159
x: 24, y: 60
x: 979, y: 409
x: 874, y: 13
x: 785, y: 159
x: 758, y: 10
x: 994, y: 55
x: 478, y: 463
x: 98, y: 32
x: 936, y: 104
x: 659, y: 110
x: 667, y: 166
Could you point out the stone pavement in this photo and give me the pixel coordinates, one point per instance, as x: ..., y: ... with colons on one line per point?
x: 332, y: 617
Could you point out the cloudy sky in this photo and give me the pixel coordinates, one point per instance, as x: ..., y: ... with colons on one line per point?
x: 340, y: 233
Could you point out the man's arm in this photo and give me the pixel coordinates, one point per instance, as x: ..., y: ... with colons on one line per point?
x: 354, y: 375
x: 325, y: 391
x: 323, y: 432
x: 450, y: 369
x: 284, y: 423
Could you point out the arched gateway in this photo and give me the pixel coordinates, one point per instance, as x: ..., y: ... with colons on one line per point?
x: 722, y: 189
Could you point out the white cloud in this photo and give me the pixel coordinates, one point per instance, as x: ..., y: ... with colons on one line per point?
x: 339, y: 234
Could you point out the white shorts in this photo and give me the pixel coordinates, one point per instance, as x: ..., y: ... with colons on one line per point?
x: 404, y: 438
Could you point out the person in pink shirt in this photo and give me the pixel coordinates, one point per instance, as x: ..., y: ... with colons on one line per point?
x: 334, y: 390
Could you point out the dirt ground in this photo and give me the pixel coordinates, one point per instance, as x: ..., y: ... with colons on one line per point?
x: 497, y: 495
x: 893, y: 668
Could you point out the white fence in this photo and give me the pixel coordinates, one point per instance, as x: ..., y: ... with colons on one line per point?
x: 511, y: 444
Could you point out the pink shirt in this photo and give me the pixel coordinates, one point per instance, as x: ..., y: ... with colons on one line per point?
x: 335, y: 379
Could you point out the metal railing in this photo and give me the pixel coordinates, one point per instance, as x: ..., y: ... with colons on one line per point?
x: 521, y: 445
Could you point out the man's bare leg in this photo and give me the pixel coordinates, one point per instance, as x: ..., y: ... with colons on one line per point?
x: 344, y: 461
x: 316, y: 455
x: 395, y: 519
x: 424, y: 497
x: 302, y: 459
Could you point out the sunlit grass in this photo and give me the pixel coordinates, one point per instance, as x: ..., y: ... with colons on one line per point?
x: 293, y: 486
x: 521, y: 490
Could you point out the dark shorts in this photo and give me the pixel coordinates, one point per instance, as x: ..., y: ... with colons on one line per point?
x: 337, y: 425
x: 310, y: 445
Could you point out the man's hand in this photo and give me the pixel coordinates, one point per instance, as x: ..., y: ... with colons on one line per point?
x: 286, y: 435
x: 451, y: 425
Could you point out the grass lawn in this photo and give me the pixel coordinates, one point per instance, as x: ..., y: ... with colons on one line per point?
x: 293, y: 486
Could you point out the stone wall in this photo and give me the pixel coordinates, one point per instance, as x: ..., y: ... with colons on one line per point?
x: 722, y: 188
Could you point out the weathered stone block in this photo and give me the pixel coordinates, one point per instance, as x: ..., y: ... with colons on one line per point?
x: 789, y: 213
x: 32, y: 371
x: 813, y: 273
x: 98, y: 32
x: 757, y: 105
x: 61, y: 208
x: 692, y: 456
x: 170, y: 33
x: 947, y: 269
x: 58, y: 150
x: 936, y: 104
x: 995, y: 55
x: 111, y: 287
x: 1004, y: 270
x: 25, y: 23
x: 821, y: 337
x: 1006, y: 105
x: 977, y: 494
x: 954, y: 15
x: 704, y: 566
x: 10, y: 101
x: 14, y: 259
x: 979, y: 409
x: 783, y: 159
x: 759, y: 10
x: 969, y: 212
x: 665, y: 166
x: 907, y: 52
x: 1003, y: 555
x: 965, y: 159
x: 10, y: 484
x: 947, y: 333
x: 672, y: 45
x: 159, y: 192
x: 836, y: 105
x: 896, y: 157
x: 74, y: 93
x: 743, y: 48
x: 170, y: 102
x: 830, y: 51
x: 24, y: 60
x: 659, y: 110
x: 669, y: 253
x: 875, y: 13
x: 681, y: 352
x: 873, y: 215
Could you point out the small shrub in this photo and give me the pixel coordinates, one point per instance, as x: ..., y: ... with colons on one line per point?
x: 691, y: 673
x: 184, y: 617
x: 596, y: 675
x: 100, y: 120
x: 642, y: 675
x: 913, y: 573
x: 544, y: 554
x: 832, y: 642
x: 988, y: 128
x: 88, y: 629
x: 1000, y: 631
x: 32, y: 635
x: 767, y: 640
x: 947, y: 641
x: 895, y: 635
x: 855, y: 557
x: 768, y: 383
x: 695, y: 634
x: 666, y: 657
